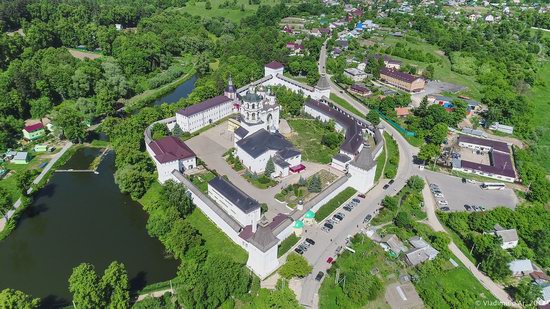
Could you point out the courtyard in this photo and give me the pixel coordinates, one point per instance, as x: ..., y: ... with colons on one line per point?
x: 210, y: 147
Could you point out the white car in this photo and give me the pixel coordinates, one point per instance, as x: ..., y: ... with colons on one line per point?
x: 438, y: 194
x: 442, y: 202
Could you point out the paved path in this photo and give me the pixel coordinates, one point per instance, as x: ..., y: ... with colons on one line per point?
x: 434, y: 223
x: 212, y: 144
x: 36, y: 181
x: 154, y: 294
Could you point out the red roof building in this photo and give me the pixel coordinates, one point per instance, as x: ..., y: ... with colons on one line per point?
x: 275, y: 65
x: 170, y: 148
x: 34, y: 127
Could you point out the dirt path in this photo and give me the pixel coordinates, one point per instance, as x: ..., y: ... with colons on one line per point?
x: 433, y: 222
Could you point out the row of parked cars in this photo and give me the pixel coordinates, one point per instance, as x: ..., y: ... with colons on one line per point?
x: 439, y: 197
x: 301, y: 248
x: 474, y: 208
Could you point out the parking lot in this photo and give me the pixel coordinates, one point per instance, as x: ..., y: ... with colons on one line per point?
x: 457, y: 194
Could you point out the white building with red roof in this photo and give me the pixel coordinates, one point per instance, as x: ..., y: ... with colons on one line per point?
x: 171, y: 153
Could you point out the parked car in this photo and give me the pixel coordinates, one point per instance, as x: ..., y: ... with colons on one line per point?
x: 470, y: 181
x: 361, y: 195
x: 438, y: 195
x: 467, y: 207
x: 367, y: 219
x: 348, y: 208
x: 319, y: 276
x: 356, y: 200
x: 391, y: 181
x: 305, y: 245
x: 386, y: 186
x: 337, y: 251
x: 443, y: 202
x: 329, y: 226
x: 341, y: 214
x: 444, y: 209
x: 330, y: 260
x: 310, y: 241
x: 325, y: 229
x: 482, y: 208
x: 433, y: 185
x: 337, y: 218
x: 299, y: 251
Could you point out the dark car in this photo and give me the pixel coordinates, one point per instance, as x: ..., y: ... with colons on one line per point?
x: 339, y: 217
x: 391, y: 181
x: 386, y: 186
x: 361, y: 195
x: 467, y: 207
x: 319, y: 276
x: 310, y: 241
x: 329, y: 226
x: 356, y: 200
x: 367, y: 219
x: 444, y: 209
x: 347, y: 208
x: 299, y: 251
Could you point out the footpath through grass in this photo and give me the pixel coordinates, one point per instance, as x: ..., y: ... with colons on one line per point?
x: 334, y: 203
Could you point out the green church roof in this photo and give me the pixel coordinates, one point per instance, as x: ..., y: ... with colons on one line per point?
x: 298, y: 224
x: 310, y: 214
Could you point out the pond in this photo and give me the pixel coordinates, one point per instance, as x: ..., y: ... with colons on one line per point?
x: 182, y: 91
x: 80, y: 217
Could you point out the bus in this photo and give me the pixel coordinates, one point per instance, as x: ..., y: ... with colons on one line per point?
x: 492, y: 186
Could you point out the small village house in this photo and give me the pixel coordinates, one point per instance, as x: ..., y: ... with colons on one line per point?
x: 34, y: 131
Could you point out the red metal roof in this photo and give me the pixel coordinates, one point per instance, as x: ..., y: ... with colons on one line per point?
x: 34, y: 127
x: 274, y: 65
x: 406, y: 77
x: 170, y: 148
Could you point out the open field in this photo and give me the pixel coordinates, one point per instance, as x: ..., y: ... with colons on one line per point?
x: 232, y: 13
x: 540, y: 98
x: 80, y: 54
x: 306, y: 137
x: 443, y: 70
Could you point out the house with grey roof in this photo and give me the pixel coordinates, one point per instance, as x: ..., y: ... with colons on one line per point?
x: 520, y: 268
x: 509, y: 237
x: 234, y: 201
x: 392, y: 243
x: 255, y: 150
x: 420, y: 253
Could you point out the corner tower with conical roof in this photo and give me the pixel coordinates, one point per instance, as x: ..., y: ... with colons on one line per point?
x: 230, y: 91
x: 262, y: 253
x: 322, y: 89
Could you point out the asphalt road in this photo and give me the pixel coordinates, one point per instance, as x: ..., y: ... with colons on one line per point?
x: 326, y: 243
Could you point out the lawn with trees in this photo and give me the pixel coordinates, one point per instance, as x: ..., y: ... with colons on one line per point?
x: 308, y: 135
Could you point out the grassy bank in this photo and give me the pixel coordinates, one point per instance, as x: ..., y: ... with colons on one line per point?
x: 287, y: 244
x: 346, y: 105
x: 392, y: 161
x: 334, y: 203
x: 233, y: 13
x: 147, y: 97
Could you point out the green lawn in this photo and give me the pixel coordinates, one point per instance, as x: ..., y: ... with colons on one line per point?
x: 345, y: 105
x: 540, y: 98
x: 201, y: 180
x: 307, y: 134
x: 216, y: 241
x: 443, y: 70
x: 380, y: 165
x: 455, y: 279
x: 234, y: 14
x: 368, y: 255
x: 334, y: 203
x: 392, y: 157
x: 287, y: 244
